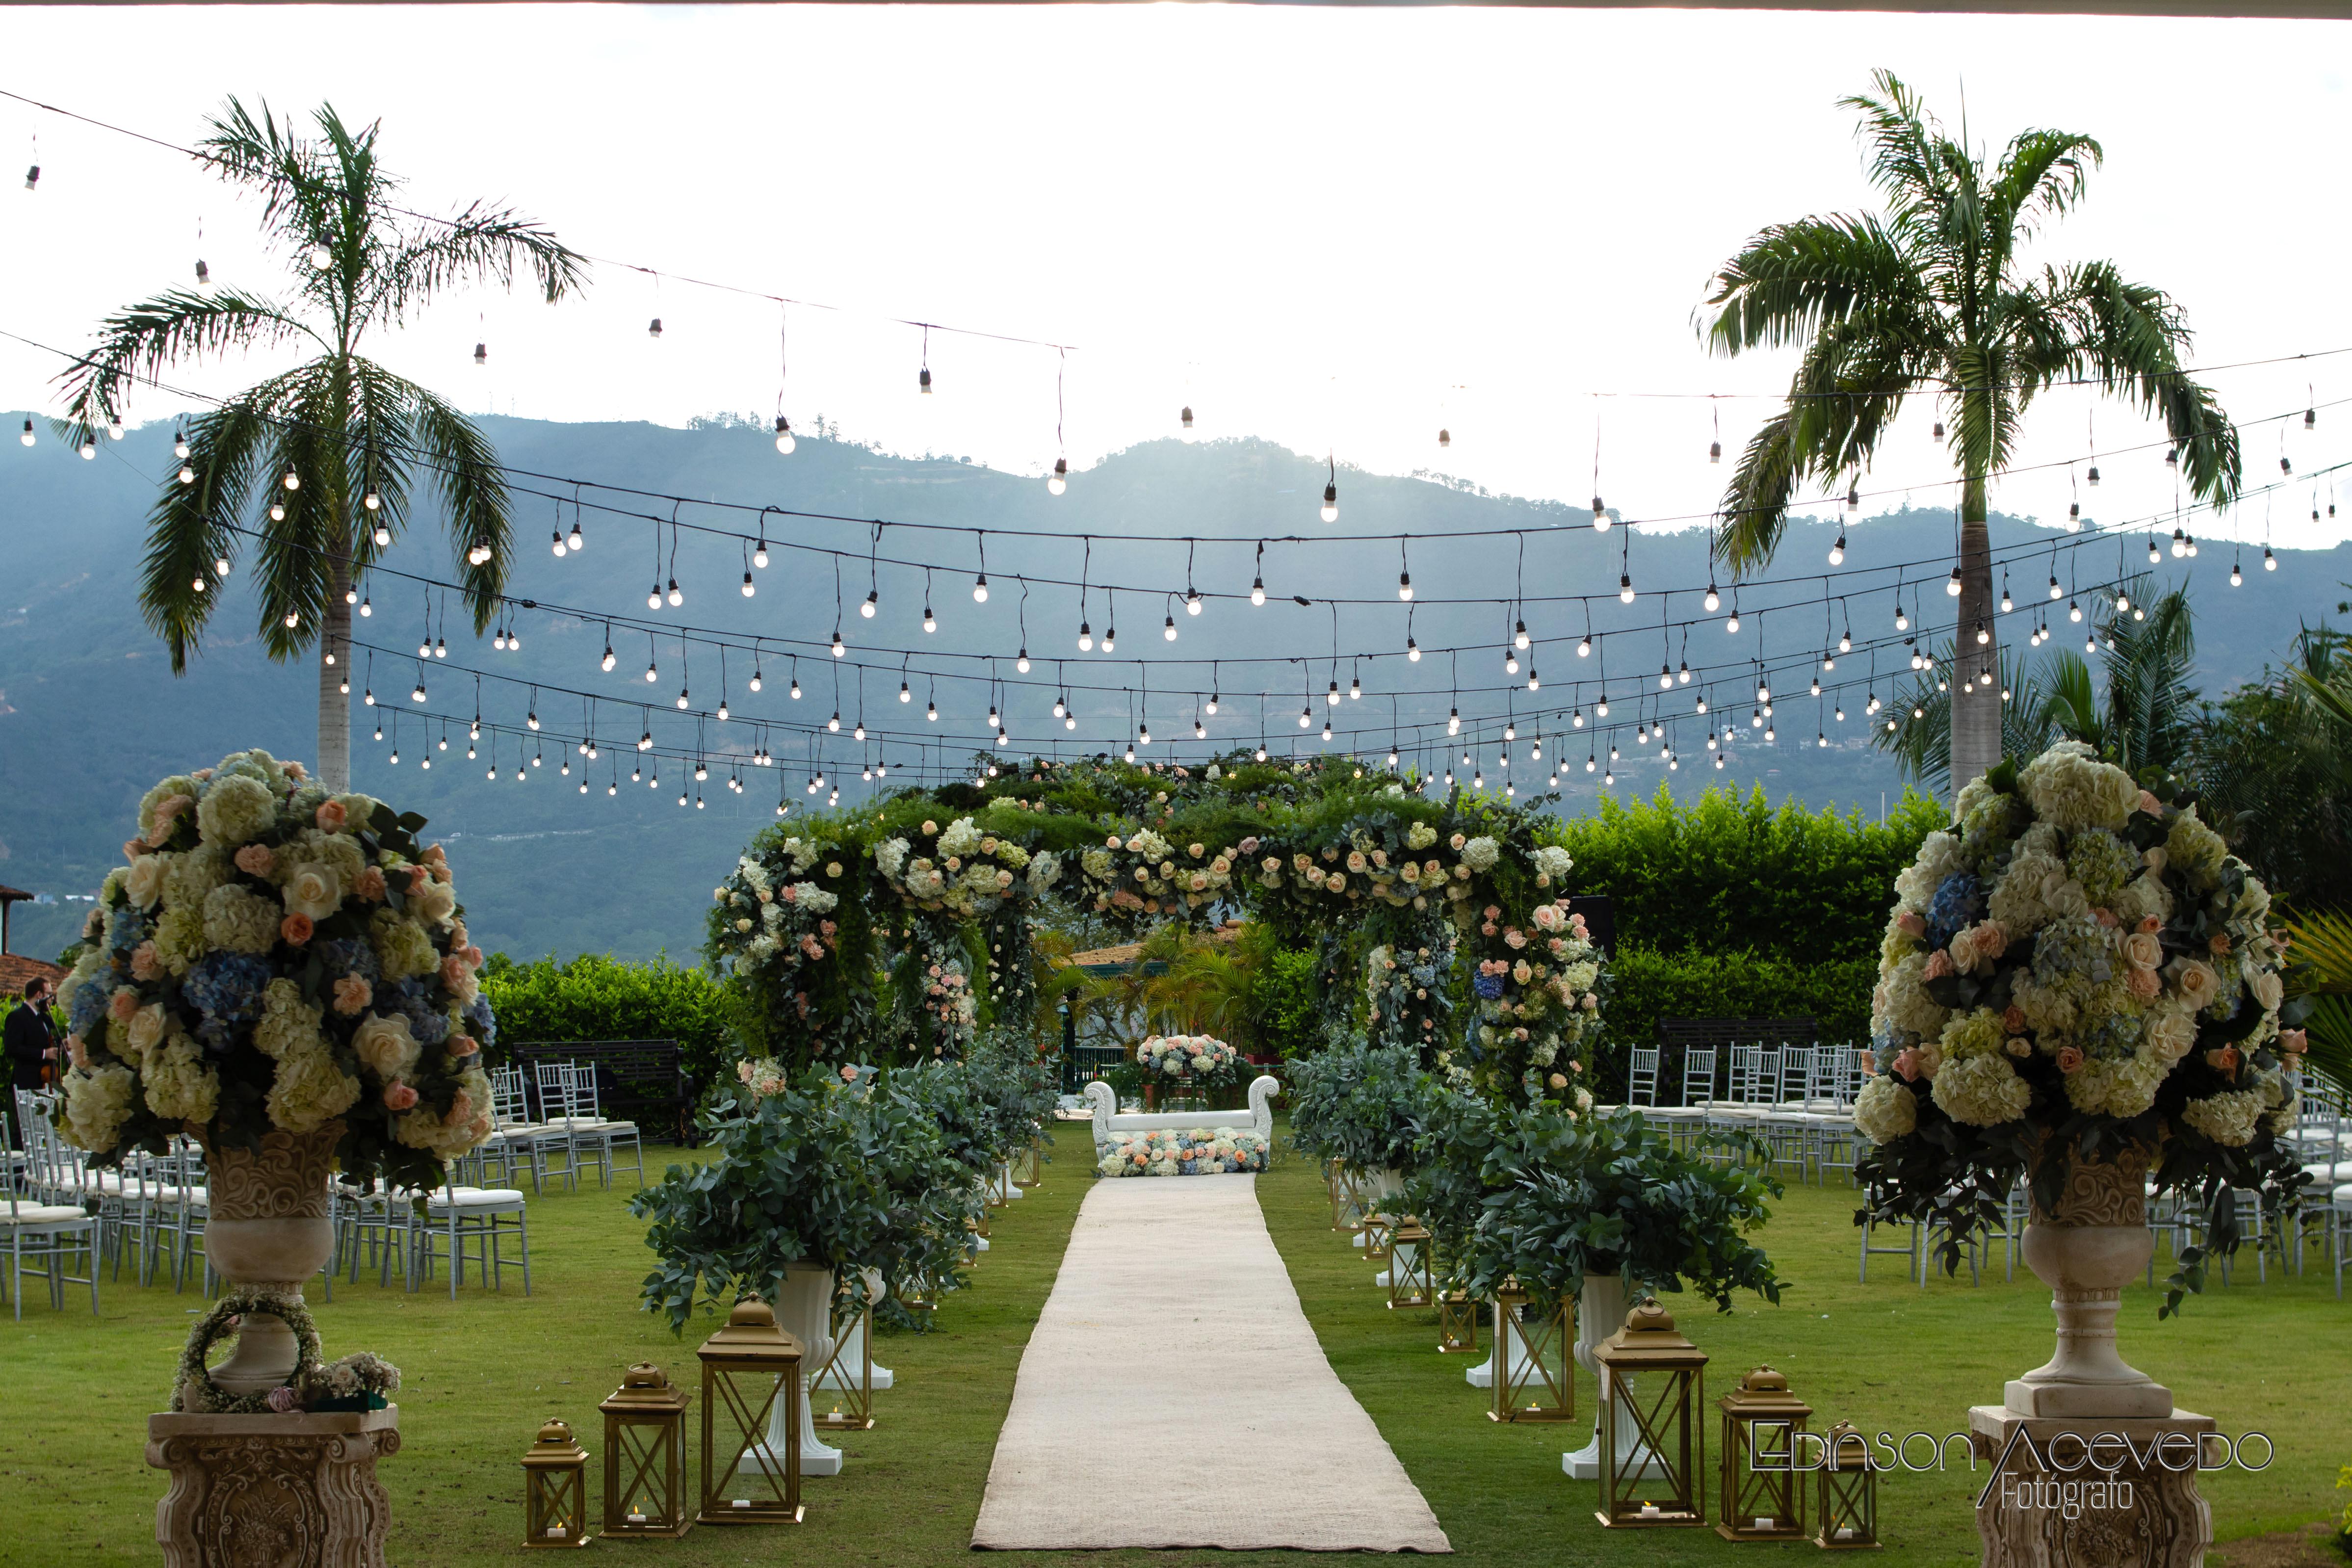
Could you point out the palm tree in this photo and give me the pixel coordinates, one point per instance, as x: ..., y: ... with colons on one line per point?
x: 337, y: 445
x: 2137, y: 709
x: 1928, y: 298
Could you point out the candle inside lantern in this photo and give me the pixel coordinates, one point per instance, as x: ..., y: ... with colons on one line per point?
x: 1649, y: 1511
x: 557, y: 1532
x: 1845, y: 1533
x: 742, y: 1502
x: 1764, y: 1521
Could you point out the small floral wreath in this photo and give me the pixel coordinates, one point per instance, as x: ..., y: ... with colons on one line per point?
x: 194, y: 1392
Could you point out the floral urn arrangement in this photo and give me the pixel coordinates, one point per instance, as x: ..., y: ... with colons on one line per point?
x: 2080, y: 985
x: 283, y: 974
x: 1190, y: 1059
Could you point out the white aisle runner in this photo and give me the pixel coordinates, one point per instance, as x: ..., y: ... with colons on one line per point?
x: 1173, y: 1396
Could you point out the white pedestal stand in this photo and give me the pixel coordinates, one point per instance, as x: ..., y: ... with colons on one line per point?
x: 1602, y: 1314
x: 805, y: 1311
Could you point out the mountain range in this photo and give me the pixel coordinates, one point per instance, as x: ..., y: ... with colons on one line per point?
x: 90, y: 714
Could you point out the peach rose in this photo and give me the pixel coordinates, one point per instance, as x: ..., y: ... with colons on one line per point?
x: 2150, y: 805
x: 167, y: 813
x: 2070, y: 1059
x: 2223, y: 1058
x: 2012, y: 1019
x: 2106, y: 918
x: 353, y: 993
x: 2220, y: 944
x: 122, y: 1005
x: 330, y: 817
x: 2150, y: 924
x: 296, y: 928
x: 1906, y: 1064
x: 78, y: 1052
x: 462, y: 1046
x: 2144, y: 984
x: 399, y: 1097
x: 1910, y: 924
x: 132, y: 849
x: 1939, y: 964
x: 146, y: 964
x: 2294, y: 1042
x: 2196, y: 983
x: 370, y: 885
x: 2143, y: 950
x: 256, y: 859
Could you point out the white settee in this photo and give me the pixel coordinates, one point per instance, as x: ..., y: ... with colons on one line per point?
x: 1110, y: 1119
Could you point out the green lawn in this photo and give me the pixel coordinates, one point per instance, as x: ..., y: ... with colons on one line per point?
x: 482, y: 1374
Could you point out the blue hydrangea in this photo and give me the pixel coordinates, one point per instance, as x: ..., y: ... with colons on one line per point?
x: 88, y: 1006
x: 1489, y: 987
x: 484, y: 1025
x: 225, y: 987
x: 1958, y: 900
x: 126, y: 927
x: 407, y: 998
x: 340, y: 956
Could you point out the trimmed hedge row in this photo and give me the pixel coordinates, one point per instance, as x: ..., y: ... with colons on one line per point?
x: 1652, y: 986
x: 594, y: 997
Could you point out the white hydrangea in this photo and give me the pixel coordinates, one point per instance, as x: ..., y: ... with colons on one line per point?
x: 1903, y: 1001
x: 1553, y: 861
x: 1884, y: 1110
x: 2069, y: 787
x: 961, y: 837
x: 1420, y: 836
x: 1045, y: 868
x: 813, y: 898
x: 310, y: 1090
x: 236, y: 810
x: 1940, y: 854
x: 889, y: 856
x: 1982, y: 1092
x: 97, y: 1103
x: 1481, y: 852
x: 2228, y: 1118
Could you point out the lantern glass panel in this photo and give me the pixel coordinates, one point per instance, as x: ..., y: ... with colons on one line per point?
x: 1848, y: 1496
x: 1532, y: 1378
x: 1652, y: 1451
x: 747, y: 1367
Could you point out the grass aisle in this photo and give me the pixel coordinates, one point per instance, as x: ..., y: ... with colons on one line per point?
x: 1888, y: 1356
x: 485, y: 1371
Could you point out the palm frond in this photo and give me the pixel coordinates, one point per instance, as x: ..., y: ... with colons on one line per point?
x: 1907, y: 160
x: 189, y: 527
x: 143, y: 341
x: 2323, y: 939
x: 2070, y: 699
x: 2041, y: 175
x: 479, y: 244
x: 2151, y: 706
x: 299, y: 552
x: 1795, y: 278
x: 465, y: 473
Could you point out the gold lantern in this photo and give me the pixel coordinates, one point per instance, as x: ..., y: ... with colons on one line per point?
x: 555, y: 1490
x: 1377, y: 1226
x: 1409, y: 1265
x: 1848, y: 1499
x: 1346, y: 1197
x: 1649, y: 1473
x: 846, y: 1378
x: 1532, y: 1381
x: 1457, y: 1313
x: 644, y: 1423
x: 1757, y: 1495
x: 1028, y: 1166
x: 751, y: 1370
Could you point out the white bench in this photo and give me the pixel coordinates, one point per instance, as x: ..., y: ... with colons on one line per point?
x: 1110, y: 1120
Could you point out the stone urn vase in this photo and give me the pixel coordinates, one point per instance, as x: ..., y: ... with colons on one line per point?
x: 805, y: 1311
x: 2093, y: 1243
x: 268, y: 1229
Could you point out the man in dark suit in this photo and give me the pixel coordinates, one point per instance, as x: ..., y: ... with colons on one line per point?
x: 32, y: 1044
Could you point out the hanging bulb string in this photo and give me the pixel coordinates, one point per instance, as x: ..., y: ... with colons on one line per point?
x: 424, y: 460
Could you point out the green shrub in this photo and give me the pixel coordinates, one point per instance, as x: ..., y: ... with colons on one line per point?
x: 1723, y: 873
x: 598, y: 998
x: 1287, y: 996
x: 1651, y: 984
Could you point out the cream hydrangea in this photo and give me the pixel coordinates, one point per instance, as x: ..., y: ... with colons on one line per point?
x: 1481, y: 852
x: 1901, y: 999
x: 1045, y: 870
x: 338, y: 852
x: 239, y: 920
x: 1940, y: 854
x: 1420, y: 836
x: 97, y: 1103
x: 288, y: 1024
x: 959, y: 838
x: 1884, y: 1110
x: 177, y: 785
x: 179, y: 1086
x: 2195, y: 849
x: 310, y: 1090
x: 2069, y: 787
x: 192, y: 877
x: 401, y: 948
x: 2228, y: 1118
x: 1972, y: 1034
x: 1983, y: 1091
x: 237, y: 810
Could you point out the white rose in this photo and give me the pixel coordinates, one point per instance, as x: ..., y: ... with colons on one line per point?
x: 144, y: 880
x: 386, y: 1047
x: 2264, y: 985
x: 147, y: 1027
x: 434, y: 904
x: 314, y: 890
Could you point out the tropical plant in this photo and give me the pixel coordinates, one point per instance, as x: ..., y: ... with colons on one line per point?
x: 1929, y: 299
x: 2273, y: 765
x: 315, y: 468
x: 2138, y: 708
x: 1568, y: 1198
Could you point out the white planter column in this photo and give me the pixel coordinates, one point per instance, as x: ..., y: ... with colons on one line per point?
x: 805, y: 1311
x: 1602, y: 1314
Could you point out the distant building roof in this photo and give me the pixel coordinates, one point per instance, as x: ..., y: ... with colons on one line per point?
x: 13, y: 895
x: 1109, y: 960
x: 15, y: 970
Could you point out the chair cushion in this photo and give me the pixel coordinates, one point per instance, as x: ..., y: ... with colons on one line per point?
x: 42, y: 1214
x: 475, y: 1197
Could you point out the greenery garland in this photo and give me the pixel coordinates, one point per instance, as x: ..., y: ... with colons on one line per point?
x: 195, y: 1393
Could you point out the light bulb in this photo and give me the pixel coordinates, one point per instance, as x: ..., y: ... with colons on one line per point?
x: 1086, y: 637
x: 653, y: 597
x: 1258, y: 591
x: 682, y: 697
x: 674, y: 595
x: 1404, y: 585
x: 28, y: 436
x: 1600, y: 516
x: 980, y: 589
x: 557, y: 547
x: 1411, y: 650
x: 1332, y: 504
x: 1952, y: 584
x: 1625, y: 589
x: 2270, y: 562
x: 188, y: 475
x: 1184, y: 420
x: 1060, y: 480
x: 292, y: 481
x: 1110, y: 638
x: 89, y: 453
x: 1519, y: 635
x: 653, y: 328
x: 1168, y: 631
x: 1510, y: 662
x: 1210, y: 707
x: 1731, y: 622
x: 651, y: 675
x: 278, y: 511
x: 839, y: 649
x: 784, y: 442
x: 1837, y: 552
x: 1021, y: 662
x: 866, y: 609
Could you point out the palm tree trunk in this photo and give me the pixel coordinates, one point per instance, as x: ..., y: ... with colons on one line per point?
x: 1976, y: 707
x: 334, y: 702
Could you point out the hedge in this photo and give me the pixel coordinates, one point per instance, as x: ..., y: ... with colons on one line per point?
x: 1723, y: 873
x: 594, y: 997
x: 1652, y: 986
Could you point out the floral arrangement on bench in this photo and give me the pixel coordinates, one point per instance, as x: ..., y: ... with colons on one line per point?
x: 1198, y: 1151
x: 1186, y: 1058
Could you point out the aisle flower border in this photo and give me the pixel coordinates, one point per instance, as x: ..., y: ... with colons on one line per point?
x: 1184, y: 1151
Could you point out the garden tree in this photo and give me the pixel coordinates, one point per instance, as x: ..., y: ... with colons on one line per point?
x: 317, y: 466
x: 2136, y: 709
x: 1930, y: 298
x: 2272, y: 762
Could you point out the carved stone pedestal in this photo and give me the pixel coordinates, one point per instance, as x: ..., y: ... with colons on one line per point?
x: 273, y: 1491
x: 2113, y: 1491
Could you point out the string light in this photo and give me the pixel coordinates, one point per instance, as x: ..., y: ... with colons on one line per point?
x: 1331, y: 492
x: 1060, y: 480
x: 785, y: 441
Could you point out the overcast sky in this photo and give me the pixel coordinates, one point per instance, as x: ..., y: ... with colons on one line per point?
x: 1337, y: 228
